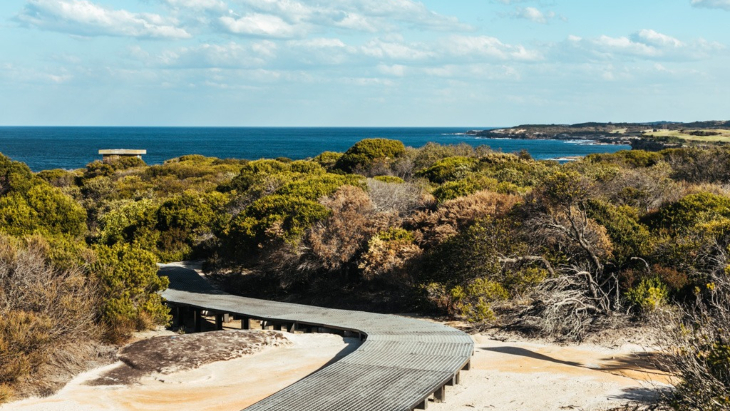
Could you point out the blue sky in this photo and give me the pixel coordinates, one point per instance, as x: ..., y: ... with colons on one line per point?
x: 362, y: 62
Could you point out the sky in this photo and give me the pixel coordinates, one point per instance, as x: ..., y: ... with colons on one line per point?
x: 362, y: 63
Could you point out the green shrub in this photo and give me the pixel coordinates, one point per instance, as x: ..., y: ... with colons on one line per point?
x: 431, y: 153
x: 98, y: 169
x: 252, y: 172
x: 690, y: 211
x: 131, y: 287
x: 316, y: 187
x: 306, y: 167
x: 364, y: 153
x: 649, y: 295
x: 470, y: 185
x: 41, y: 209
x: 449, y: 169
x: 396, y: 234
x: 389, y: 179
x: 131, y: 222
x: 629, y: 237
x: 474, y: 301
x: 183, y: 219
x: 631, y: 158
x: 275, y: 217
x: 58, y: 177
x: 328, y: 159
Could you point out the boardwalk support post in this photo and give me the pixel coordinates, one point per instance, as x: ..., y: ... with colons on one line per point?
x: 440, y: 394
x: 245, y: 323
x: 219, y: 322
x: 423, y: 405
x: 467, y: 367
x: 291, y: 327
x: 198, y: 320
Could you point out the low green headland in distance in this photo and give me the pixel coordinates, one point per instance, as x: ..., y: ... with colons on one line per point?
x: 652, y: 136
x: 494, y: 239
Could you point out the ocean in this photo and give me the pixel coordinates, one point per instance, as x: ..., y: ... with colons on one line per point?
x: 44, y: 148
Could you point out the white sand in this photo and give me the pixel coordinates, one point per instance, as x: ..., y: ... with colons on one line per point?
x: 228, y: 385
x: 525, y: 376
x: 506, y: 376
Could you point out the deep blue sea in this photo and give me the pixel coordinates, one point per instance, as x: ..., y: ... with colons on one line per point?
x: 45, y: 148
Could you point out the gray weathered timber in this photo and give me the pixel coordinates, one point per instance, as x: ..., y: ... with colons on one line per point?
x: 402, y: 362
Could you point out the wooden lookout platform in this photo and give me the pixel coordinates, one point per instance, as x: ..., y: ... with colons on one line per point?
x: 402, y: 364
x: 117, y: 153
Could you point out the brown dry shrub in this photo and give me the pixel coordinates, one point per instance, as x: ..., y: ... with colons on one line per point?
x: 433, y: 227
x: 6, y: 393
x: 388, y: 261
x: 334, y: 242
x: 402, y: 198
x: 43, y: 310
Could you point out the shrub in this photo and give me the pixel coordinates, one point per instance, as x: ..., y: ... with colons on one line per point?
x: 402, y: 198
x: 131, y: 222
x: 470, y: 185
x: 630, y: 158
x: 629, y: 237
x: 130, y: 286
x: 272, y: 218
x: 256, y: 172
x: 696, y: 165
x: 316, y: 187
x: 183, y: 219
x: 388, y: 256
x: 651, y: 294
x: 433, y: 227
x: 364, y: 154
x: 474, y: 301
x: 40, y: 208
x: 449, y: 169
x: 25, y: 338
x: 328, y: 159
x: 335, y: 241
x: 389, y: 179
x: 45, y: 312
x: 58, y: 178
x: 471, y: 254
x: 306, y: 167
x: 690, y: 211
x: 431, y: 153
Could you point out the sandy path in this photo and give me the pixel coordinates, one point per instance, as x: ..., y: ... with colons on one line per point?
x: 226, y: 385
x: 525, y: 376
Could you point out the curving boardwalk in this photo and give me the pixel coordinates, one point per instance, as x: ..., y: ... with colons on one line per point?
x: 400, y: 365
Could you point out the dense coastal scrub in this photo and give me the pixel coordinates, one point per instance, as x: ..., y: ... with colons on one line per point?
x: 493, y: 238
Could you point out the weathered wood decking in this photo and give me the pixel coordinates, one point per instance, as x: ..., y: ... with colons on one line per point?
x: 400, y: 365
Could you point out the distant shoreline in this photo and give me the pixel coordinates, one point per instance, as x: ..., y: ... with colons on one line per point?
x: 73, y: 148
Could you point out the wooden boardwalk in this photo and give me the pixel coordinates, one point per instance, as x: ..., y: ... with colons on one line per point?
x: 401, y: 363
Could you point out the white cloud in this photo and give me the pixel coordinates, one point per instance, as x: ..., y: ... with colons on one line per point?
x: 476, y: 47
x: 712, y: 4
x: 84, y: 18
x: 396, y: 70
x: 535, y: 15
x: 197, y: 5
x: 644, y: 44
x: 395, y: 50
x: 357, y: 15
x: 256, y: 24
x: 226, y: 56
x: 653, y: 38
